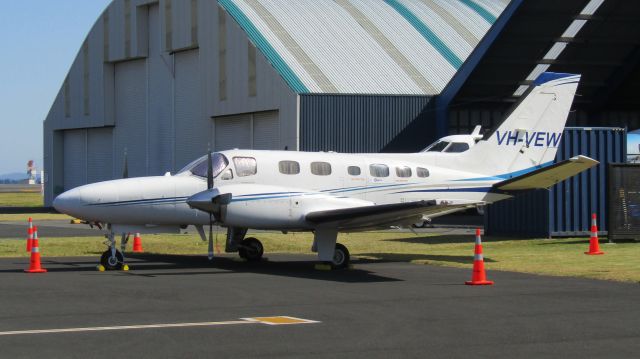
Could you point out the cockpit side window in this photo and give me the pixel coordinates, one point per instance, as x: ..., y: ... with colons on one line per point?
x: 245, y: 166
x: 438, y: 146
x: 199, y: 166
x: 457, y: 147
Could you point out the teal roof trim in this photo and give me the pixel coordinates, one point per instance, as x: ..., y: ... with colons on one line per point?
x: 265, y: 47
x: 480, y: 10
x: 424, y: 30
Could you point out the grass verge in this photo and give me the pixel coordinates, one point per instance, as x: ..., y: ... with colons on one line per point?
x: 21, y: 199
x: 557, y: 257
x: 7, y: 217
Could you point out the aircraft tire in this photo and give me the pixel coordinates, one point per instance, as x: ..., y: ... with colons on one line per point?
x: 251, y: 249
x: 341, y: 257
x: 104, y: 260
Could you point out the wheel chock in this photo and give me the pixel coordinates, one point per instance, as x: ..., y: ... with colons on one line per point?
x: 100, y: 268
x: 322, y: 266
x: 240, y: 260
x: 350, y: 267
x: 75, y: 221
x: 125, y: 268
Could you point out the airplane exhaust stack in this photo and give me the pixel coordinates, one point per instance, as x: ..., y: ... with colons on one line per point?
x: 34, y: 265
x: 30, y: 235
x: 594, y: 244
x: 479, y: 277
x: 137, y: 244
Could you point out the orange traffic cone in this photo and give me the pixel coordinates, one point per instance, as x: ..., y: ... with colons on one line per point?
x: 594, y: 244
x: 479, y: 277
x: 35, y: 266
x: 30, y: 235
x: 137, y: 244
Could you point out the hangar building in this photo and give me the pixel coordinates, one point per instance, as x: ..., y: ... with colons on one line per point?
x: 163, y: 80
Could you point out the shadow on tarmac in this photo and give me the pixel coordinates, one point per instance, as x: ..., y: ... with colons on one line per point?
x: 444, y: 239
x: 408, y: 257
x: 156, y: 265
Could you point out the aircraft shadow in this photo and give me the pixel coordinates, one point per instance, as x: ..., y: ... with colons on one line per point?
x: 444, y: 239
x: 146, y: 264
x: 156, y: 265
x: 409, y: 257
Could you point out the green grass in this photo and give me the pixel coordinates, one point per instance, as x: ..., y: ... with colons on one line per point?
x: 21, y: 199
x: 557, y: 257
x: 6, y: 217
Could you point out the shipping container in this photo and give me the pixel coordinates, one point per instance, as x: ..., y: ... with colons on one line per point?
x: 565, y: 209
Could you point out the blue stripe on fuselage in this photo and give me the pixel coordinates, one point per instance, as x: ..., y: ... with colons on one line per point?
x: 510, y: 175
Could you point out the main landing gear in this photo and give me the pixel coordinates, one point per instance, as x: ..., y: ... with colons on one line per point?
x: 341, y: 257
x: 250, y: 249
x: 333, y: 255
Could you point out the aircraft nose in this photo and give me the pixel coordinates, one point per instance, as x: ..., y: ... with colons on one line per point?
x: 69, y: 202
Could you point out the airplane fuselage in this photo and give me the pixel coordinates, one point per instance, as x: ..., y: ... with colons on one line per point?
x: 285, y: 185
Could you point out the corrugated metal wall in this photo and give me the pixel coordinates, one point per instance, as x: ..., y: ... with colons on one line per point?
x: 131, y: 118
x: 362, y: 123
x: 75, y: 158
x: 564, y: 210
x: 192, y: 128
x: 99, y: 154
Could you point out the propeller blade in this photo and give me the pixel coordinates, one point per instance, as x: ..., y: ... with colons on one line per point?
x: 125, y: 169
x: 210, y: 237
x: 209, y: 171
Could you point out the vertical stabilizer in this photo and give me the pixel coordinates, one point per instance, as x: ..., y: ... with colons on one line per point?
x: 529, y: 136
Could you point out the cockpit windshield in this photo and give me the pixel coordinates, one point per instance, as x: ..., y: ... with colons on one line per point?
x: 446, y: 146
x: 437, y: 147
x: 199, y: 166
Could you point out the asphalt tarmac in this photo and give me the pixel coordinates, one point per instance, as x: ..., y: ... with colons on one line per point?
x: 376, y: 310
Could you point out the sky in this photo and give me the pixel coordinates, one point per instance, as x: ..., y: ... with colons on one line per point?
x: 39, y: 39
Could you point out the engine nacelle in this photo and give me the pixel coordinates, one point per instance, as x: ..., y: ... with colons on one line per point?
x: 267, y: 207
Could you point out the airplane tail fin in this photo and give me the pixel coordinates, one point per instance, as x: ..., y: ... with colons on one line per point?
x: 529, y: 136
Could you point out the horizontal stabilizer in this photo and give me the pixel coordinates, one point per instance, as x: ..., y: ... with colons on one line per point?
x: 548, y: 176
x: 380, y: 216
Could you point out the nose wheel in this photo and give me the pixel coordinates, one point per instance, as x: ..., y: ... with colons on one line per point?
x: 110, y: 262
x: 251, y: 249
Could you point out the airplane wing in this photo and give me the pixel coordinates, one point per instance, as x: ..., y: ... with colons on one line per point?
x: 382, y: 216
x: 548, y: 176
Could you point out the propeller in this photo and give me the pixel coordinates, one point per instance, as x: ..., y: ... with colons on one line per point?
x: 210, y: 186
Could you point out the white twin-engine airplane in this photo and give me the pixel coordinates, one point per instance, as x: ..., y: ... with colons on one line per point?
x: 327, y: 192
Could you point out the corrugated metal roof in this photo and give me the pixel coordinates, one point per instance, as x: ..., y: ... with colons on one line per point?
x: 363, y: 46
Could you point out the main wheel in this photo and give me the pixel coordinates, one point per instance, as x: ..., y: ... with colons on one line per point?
x: 340, y: 257
x: 251, y: 249
x: 110, y: 263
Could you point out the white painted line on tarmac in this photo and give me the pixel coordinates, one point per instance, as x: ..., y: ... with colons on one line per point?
x: 279, y: 320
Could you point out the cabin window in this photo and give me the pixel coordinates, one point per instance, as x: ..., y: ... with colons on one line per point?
x: 403, y: 171
x: 379, y: 170
x: 289, y: 167
x: 438, y: 146
x: 457, y: 147
x: 321, y: 168
x: 354, y: 170
x: 422, y: 172
x: 227, y: 175
x: 245, y: 166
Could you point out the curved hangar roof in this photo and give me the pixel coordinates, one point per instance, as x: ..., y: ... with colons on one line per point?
x: 363, y: 46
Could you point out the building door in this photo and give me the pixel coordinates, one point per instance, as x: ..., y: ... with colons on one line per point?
x: 260, y: 130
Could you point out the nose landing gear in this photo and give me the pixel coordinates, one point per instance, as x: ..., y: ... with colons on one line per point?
x: 110, y: 262
x: 113, y: 259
